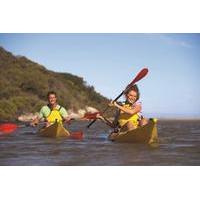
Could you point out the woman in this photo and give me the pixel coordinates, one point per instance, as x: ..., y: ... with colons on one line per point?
x: 128, y: 116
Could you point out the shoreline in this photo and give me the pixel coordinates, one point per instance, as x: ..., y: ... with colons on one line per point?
x: 178, y: 119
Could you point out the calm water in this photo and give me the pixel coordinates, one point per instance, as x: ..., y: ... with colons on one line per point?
x: 179, y: 145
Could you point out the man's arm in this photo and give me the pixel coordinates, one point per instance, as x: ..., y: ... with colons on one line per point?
x: 65, y: 114
x: 39, y: 116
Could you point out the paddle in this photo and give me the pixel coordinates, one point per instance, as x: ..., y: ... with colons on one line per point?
x: 8, y: 128
x: 91, y: 115
x: 139, y: 76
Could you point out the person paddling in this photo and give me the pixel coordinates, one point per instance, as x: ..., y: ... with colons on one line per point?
x: 129, y: 115
x: 51, y: 112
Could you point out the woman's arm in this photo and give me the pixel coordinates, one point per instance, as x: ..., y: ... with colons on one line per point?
x: 130, y: 111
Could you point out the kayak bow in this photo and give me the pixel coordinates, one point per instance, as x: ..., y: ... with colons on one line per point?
x: 58, y: 130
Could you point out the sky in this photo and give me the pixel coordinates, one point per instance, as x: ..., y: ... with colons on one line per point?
x: 110, y: 61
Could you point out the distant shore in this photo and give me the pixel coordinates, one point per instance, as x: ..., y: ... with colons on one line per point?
x: 178, y: 119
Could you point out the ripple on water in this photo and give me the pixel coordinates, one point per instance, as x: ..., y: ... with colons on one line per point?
x: 179, y: 145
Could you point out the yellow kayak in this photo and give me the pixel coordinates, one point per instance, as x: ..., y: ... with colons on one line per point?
x: 145, y: 134
x: 54, y: 130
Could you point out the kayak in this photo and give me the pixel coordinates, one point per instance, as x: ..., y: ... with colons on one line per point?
x: 54, y: 130
x: 145, y: 134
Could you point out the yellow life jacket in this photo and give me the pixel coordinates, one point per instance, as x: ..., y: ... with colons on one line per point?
x: 125, y: 117
x: 55, y: 116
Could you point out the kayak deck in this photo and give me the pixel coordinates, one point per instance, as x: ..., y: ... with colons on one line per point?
x: 145, y: 134
x: 54, y: 130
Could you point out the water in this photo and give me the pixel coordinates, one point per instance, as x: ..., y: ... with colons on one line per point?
x: 179, y: 145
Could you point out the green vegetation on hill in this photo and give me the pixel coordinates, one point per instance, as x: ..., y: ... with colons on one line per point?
x: 24, y: 85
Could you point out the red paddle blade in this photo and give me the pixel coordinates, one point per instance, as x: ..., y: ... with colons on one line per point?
x: 91, y: 115
x: 139, y: 76
x: 78, y: 135
x: 8, y: 128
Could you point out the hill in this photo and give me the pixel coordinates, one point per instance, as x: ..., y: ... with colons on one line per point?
x: 24, y: 85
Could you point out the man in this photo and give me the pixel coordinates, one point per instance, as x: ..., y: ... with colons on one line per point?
x: 51, y: 112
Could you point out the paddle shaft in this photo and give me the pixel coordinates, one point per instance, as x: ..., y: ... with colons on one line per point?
x: 105, y: 110
x: 139, y: 76
x: 107, y: 122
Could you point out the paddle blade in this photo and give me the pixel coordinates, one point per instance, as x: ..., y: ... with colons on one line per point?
x: 8, y: 128
x: 78, y: 135
x: 91, y: 115
x: 139, y: 76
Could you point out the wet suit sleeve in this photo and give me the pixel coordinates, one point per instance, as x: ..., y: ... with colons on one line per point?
x: 63, y: 112
x: 41, y: 114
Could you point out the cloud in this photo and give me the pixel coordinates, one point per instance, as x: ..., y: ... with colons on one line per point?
x: 174, y: 41
x: 170, y: 39
x: 185, y: 44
